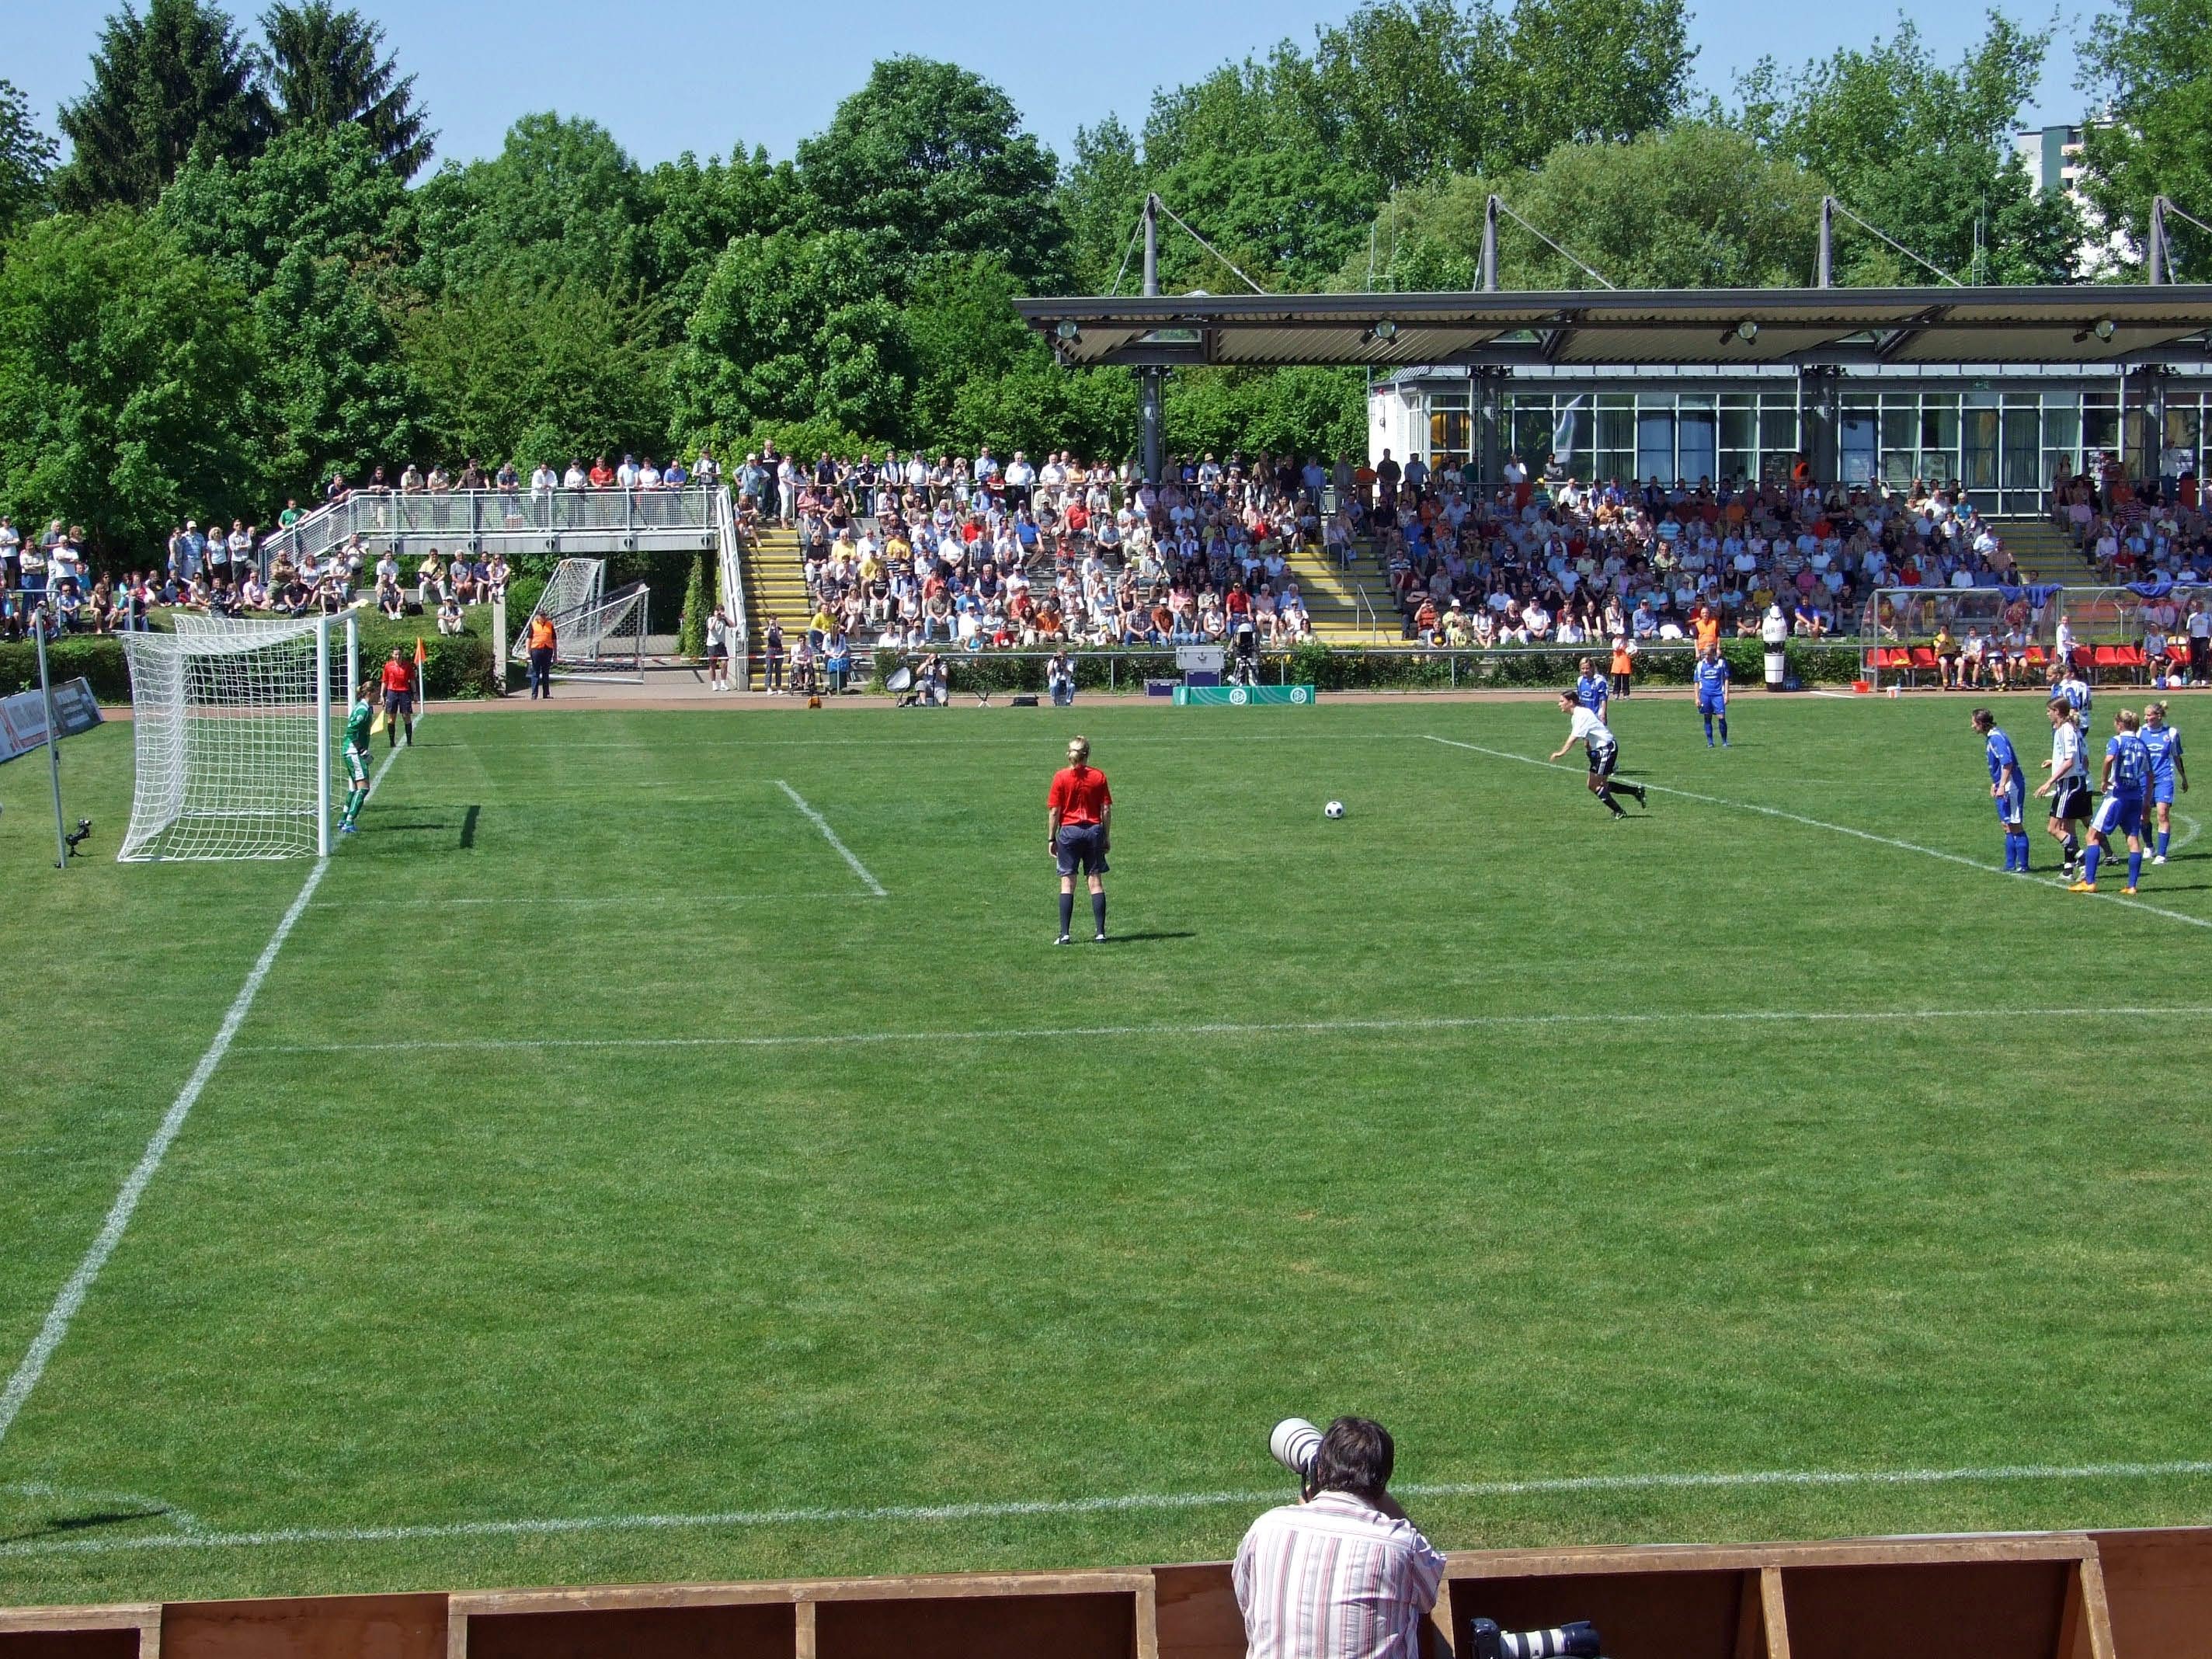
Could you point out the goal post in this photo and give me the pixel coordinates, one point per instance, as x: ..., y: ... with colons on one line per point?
x: 232, y: 736
x: 597, y: 636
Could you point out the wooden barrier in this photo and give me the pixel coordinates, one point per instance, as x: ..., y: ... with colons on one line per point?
x: 2129, y: 1595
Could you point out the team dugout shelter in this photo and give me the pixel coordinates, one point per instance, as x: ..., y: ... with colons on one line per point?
x: 2002, y: 388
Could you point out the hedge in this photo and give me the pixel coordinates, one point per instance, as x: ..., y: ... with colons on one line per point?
x: 1380, y: 668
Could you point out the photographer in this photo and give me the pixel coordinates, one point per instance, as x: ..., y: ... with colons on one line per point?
x: 1341, y: 1574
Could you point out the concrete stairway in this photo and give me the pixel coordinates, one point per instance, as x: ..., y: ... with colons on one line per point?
x: 2044, y: 552
x: 1348, y: 607
x: 775, y: 585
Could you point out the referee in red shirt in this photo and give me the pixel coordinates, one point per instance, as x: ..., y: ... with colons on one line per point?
x: 1079, y: 809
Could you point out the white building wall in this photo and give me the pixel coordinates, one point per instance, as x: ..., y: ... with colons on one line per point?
x: 1392, y: 416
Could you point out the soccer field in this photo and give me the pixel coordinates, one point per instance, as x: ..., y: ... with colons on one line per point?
x: 668, y: 1146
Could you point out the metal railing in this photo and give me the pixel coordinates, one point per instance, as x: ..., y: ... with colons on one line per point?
x: 474, y: 516
x: 728, y: 552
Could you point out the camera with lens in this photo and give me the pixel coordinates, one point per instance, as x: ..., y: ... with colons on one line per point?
x: 1294, y: 1443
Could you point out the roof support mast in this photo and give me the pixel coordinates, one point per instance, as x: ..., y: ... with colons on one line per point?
x: 1151, y: 378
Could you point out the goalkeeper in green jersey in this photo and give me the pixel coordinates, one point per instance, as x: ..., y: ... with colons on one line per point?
x: 358, y: 723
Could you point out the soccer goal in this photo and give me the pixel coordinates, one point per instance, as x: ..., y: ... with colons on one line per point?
x: 232, y: 726
x: 597, y: 636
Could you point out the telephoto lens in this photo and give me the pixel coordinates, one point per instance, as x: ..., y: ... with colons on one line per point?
x: 1579, y: 1640
x: 1294, y: 1442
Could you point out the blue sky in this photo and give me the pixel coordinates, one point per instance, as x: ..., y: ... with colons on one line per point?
x: 700, y: 76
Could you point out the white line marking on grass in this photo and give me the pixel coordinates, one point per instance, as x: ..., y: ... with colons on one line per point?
x: 629, y: 901
x: 194, y: 1538
x: 1839, y: 829
x: 1264, y: 1028
x: 73, y: 1293
x: 2195, y: 830
x: 1846, y: 695
x: 830, y: 836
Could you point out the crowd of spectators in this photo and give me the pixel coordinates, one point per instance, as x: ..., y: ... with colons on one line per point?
x: 911, y: 555
x: 2129, y: 533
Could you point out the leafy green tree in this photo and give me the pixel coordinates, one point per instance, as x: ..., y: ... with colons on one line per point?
x: 961, y: 325
x: 539, y: 369
x: 305, y: 228
x: 1590, y: 71
x: 561, y: 203
x: 1037, y: 406
x: 928, y: 158
x: 1921, y: 150
x: 180, y: 79
x: 26, y: 160
x: 1413, y: 89
x: 792, y: 327
x: 2150, y: 63
x: 1303, y: 411
x: 1100, y: 195
x: 1694, y: 206
x: 327, y: 69
x: 131, y: 378
x: 691, y: 212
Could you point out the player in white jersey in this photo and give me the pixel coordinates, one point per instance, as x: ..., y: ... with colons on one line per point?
x: 2068, y: 785
x: 1597, y: 740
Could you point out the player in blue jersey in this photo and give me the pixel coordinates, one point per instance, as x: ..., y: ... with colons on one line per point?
x: 2164, y: 742
x: 2008, y: 788
x: 1712, y: 677
x: 1590, y: 687
x: 2068, y: 785
x: 2127, y: 786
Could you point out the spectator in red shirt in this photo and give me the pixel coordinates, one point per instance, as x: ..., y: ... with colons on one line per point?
x: 1078, y: 810
x: 398, y: 699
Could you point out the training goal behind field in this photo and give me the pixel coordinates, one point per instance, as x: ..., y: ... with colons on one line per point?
x: 597, y: 636
x: 232, y: 730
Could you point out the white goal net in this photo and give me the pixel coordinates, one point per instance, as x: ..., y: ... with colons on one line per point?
x: 597, y: 636
x: 231, y: 725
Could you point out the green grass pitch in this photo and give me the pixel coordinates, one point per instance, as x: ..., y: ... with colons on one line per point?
x: 1462, y: 1112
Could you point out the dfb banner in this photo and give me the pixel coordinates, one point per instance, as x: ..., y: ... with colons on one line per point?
x: 1243, y: 696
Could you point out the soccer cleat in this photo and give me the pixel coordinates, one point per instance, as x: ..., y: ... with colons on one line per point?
x: 2128, y: 892
x: 1100, y: 937
x: 345, y: 829
x: 2158, y: 858
x: 1062, y: 940
x: 2083, y: 887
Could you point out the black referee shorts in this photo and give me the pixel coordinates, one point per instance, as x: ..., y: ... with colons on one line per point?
x: 1081, y: 848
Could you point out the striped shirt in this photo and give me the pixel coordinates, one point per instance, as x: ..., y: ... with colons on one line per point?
x: 1334, y: 1579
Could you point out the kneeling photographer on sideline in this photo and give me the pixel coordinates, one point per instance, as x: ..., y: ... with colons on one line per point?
x: 1341, y: 1574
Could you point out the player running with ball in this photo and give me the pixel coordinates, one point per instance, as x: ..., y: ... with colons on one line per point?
x: 359, y: 719
x: 1597, y: 740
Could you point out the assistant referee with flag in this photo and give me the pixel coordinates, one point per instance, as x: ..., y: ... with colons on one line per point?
x: 1078, y: 810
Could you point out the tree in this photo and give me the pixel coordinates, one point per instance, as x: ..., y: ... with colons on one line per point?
x: 26, y: 160
x: 130, y: 376
x: 179, y: 80
x: 960, y: 325
x: 324, y: 192
x: 1100, y: 196
x: 792, y: 327
x: 534, y: 369
x: 561, y: 203
x: 929, y: 158
x: 1303, y: 411
x: 1695, y: 206
x: 2149, y: 64
x: 1592, y: 71
x: 691, y: 212
x: 1922, y: 151
x: 327, y: 69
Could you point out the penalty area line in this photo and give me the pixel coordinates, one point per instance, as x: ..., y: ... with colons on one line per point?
x: 830, y: 836
x: 1134, y: 1502
x: 1837, y: 829
x: 1257, y: 1028
x: 72, y: 1295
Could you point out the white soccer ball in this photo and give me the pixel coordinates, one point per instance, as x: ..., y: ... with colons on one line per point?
x: 1334, y: 810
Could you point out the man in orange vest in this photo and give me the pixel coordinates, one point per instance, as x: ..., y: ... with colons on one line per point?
x: 541, y: 656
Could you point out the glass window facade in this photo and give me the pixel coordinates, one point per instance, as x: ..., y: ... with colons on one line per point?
x: 2005, y: 442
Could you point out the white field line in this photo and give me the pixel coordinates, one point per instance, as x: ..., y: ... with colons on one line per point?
x: 1837, y: 829
x: 188, y: 1537
x: 79, y: 1285
x: 1225, y: 1029
x: 830, y: 836
x: 625, y: 901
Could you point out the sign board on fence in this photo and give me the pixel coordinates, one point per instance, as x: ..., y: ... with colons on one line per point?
x: 1243, y: 696
x: 1200, y: 658
x: 23, y: 717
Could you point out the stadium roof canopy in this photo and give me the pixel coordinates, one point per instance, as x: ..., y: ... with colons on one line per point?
x: 2088, y: 326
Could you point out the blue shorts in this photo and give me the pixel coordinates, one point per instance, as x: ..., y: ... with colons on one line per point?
x: 399, y: 702
x: 2012, y: 806
x: 2161, y: 791
x: 2118, y: 815
x: 1082, y: 847
x: 1712, y: 705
